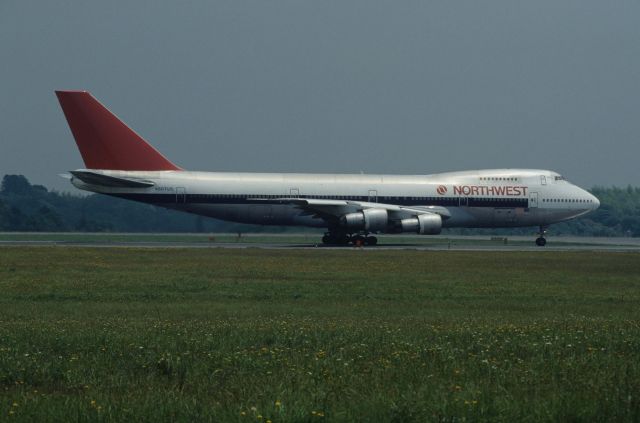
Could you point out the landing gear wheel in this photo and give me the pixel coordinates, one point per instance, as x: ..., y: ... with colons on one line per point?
x: 331, y: 238
x: 541, y: 241
x: 358, y: 240
x: 371, y: 240
x: 344, y: 239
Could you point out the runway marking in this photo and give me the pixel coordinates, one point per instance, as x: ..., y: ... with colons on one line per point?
x: 297, y: 246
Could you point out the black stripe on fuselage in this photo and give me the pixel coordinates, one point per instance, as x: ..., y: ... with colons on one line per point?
x: 172, y: 198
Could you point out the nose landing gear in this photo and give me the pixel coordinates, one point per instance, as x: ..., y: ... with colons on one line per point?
x: 541, y: 240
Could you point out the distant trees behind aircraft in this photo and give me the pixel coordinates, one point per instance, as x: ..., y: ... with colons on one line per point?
x: 27, y: 207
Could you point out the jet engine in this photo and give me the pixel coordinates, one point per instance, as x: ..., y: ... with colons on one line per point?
x: 423, y: 224
x: 372, y: 220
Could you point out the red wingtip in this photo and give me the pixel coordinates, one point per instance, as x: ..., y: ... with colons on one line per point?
x: 104, y: 141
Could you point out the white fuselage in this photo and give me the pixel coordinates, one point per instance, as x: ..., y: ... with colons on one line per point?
x: 482, y: 198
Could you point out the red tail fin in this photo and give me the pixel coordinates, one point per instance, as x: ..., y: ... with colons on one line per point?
x: 105, y: 142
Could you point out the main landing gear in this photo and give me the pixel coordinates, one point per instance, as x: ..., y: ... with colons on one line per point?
x: 541, y: 240
x: 341, y: 238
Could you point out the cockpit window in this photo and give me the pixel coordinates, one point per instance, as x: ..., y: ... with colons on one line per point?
x: 560, y: 178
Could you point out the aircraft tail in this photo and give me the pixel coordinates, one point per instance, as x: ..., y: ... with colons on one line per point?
x: 104, y: 141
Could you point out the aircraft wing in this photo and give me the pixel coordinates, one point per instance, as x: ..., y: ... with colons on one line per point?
x: 333, y: 209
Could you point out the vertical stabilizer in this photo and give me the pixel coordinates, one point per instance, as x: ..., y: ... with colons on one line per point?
x: 104, y: 141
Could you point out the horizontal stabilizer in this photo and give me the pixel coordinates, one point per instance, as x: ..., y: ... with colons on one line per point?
x: 93, y: 178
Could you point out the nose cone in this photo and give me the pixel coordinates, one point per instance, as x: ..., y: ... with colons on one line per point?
x: 596, y: 202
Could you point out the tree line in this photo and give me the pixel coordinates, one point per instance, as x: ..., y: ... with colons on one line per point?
x: 27, y: 207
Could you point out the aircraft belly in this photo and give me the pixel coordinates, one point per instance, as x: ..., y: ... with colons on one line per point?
x: 292, y: 215
x: 258, y: 214
x: 465, y: 217
x: 494, y: 217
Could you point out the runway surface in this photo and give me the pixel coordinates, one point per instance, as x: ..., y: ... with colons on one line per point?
x: 307, y: 242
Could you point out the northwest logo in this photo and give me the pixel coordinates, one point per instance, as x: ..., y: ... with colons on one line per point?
x: 442, y: 190
x: 509, y: 191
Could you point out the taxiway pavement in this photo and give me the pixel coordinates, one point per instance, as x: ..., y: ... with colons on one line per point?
x: 449, y: 243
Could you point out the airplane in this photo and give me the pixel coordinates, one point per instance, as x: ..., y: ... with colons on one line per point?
x: 351, y: 207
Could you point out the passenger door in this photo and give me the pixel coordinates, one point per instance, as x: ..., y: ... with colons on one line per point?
x: 533, y: 200
x: 373, y: 196
x: 181, y: 195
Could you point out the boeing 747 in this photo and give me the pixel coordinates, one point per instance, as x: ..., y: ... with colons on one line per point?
x: 352, y: 208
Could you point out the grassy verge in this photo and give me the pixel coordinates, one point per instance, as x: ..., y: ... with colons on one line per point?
x: 257, y: 335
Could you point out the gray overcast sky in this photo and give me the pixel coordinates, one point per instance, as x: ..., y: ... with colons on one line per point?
x: 331, y: 86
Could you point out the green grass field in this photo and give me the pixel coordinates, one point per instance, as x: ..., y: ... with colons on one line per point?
x: 106, y: 334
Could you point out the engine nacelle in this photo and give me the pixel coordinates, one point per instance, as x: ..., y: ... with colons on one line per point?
x: 372, y: 220
x: 423, y: 224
